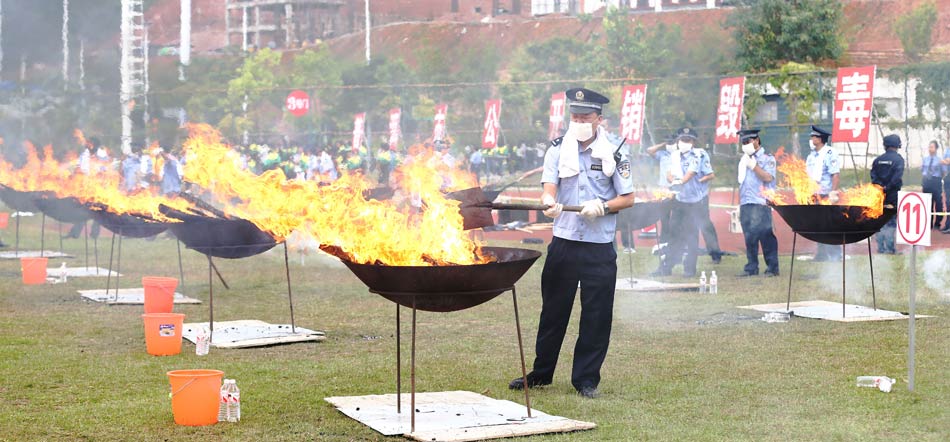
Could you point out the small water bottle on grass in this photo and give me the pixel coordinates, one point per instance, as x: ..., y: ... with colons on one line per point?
x: 702, y: 282
x: 713, y: 283
x: 229, y: 409
x: 882, y: 383
x: 202, y: 341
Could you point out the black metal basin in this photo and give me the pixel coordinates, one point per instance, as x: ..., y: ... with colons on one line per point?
x: 20, y: 201
x: 835, y: 225
x: 644, y: 214
x: 67, y: 210
x: 128, y: 225
x: 446, y: 288
x: 219, y: 237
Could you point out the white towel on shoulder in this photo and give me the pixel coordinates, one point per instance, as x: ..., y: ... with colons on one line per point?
x: 601, y: 149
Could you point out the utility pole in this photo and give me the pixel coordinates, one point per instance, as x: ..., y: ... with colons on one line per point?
x: 367, y: 32
x: 132, y: 64
x: 65, y: 44
x: 184, y: 50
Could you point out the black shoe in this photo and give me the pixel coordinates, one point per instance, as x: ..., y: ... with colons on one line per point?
x: 589, y: 392
x: 769, y: 273
x: 716, y: 257
x: 747, y: 274
x: 518, y: 383
x: 944, y: 231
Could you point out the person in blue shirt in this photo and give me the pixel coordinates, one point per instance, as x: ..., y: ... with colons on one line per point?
x: 824, y: 167
x: 887, y: 171
x: 581, y: 168
x: 931, y: 172
x: 662, y: 152
x: 688, y: 213
x: 945, y: 161
x: 756, y: 173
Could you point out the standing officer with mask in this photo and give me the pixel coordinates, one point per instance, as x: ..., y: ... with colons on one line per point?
x: 689, y: 214
x: 823, y: 167
x: 581, y: 168
x: 756, y: 173
x: 887, y: 171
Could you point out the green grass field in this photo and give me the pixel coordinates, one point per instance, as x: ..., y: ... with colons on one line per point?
x: 682, y: 366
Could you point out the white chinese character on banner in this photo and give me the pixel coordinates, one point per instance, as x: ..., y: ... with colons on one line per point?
x: 727, y: 123
x: 632, y: 114
x: 394, y: 128
x: 491, y: 135
x: 854, y: 95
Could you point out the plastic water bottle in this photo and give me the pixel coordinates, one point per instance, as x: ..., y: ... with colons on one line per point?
x: 702, y: 282
x: 882, y: 383
x: 62, y: 273
x: 202, y: 341
x: 229, y: 409
x: 713, y: 283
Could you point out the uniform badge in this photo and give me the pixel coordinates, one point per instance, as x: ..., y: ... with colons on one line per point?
x: 579, y: 96
x: 624, y: 169
x: 599, y: 167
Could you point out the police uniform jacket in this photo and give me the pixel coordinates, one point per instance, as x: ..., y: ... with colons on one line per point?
x: 750, y: 191
x: 887, y: 171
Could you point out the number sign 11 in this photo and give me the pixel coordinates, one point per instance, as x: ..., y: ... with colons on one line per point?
x: 913, y: 218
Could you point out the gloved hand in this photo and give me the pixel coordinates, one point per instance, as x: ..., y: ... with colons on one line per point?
x: 834, y: 197
x: 750, y: 163
x: 676, y: 182
x: 554, y: 208
x: 592, y: 209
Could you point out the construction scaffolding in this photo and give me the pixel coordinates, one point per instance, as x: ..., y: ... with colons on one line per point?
x: 133, y: 65
x: 282, y: 23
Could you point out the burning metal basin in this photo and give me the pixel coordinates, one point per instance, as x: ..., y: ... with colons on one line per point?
x: 128, y: 225
x: 67, y: 210
x: 447, y: 288
x: 18, y: 200
x: 229, y: 238
x: 645, y: 213
x: 833, y: 224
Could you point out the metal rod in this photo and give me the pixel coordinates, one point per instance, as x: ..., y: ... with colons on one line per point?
x: 43, y: 235
x: 118, y: 267
x: 16, y: 247
x: 210, y: 299
x: 412, y: 369
x: 871, y: 265
x: 95, y: 251
x: 181, y: 270
x: 59, y: 230
x: 86, y: 236
x: 910, y: 323
x: 791, y: 270
x: 398, y: 364
x: 221, y: 278
x: 630, y: 261
x: 844, y: 276
x: 109, y: 273
x: 290, y: 294
x: 524, y: 370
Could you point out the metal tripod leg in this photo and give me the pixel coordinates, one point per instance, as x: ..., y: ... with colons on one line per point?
x: 290, y: 294
x: 109, y: 274
x: 210, y: 300
x: 412, y: 369
x: 844, y: 276
x: 871, y: 265
x: 524, y: 370
x: 791, y: 270
x: 398, y: 364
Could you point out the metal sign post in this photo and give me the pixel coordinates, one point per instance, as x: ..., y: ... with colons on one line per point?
x: 913, y: 228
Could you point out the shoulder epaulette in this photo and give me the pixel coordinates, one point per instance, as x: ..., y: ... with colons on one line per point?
x: 557, y: 141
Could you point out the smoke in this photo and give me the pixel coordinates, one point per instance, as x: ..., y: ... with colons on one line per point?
x: 935, y: 272
x: 858, y: 283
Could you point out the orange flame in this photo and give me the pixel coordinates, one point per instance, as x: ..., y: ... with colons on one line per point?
x: 795, y: 176
x: 102, y: 185
x: 418, y: 227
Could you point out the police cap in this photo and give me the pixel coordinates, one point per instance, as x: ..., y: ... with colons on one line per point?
x: 820, y: 133
x: 685, y: 132
x: 585, y: 101
x: 748, y: 134
x: 892, y: 140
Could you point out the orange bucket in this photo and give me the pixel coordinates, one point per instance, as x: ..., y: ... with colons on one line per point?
x: 159, y: 293
x: 4, y: 219
x: 195, y: 396
x: 163, y: 333
x: 34, y: 270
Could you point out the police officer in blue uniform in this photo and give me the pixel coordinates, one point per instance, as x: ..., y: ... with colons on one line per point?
x: 689, y: 213
x: 887, y: 171
x: 931, y: 172
x: 756, y: 173
x: 823, y: 167
x: 581, y: 168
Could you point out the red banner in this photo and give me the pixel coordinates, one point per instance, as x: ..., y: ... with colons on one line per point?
x: 395, y: 132
x: 729, y: 113
x: 492, y: 124
x: 853, y: 98
x: 631, y: 114
x: 438, y: 128
x: 359, y: 129
x: 556, y: 120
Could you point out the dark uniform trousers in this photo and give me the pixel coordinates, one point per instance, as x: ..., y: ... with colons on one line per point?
x: 709, y: 231
x: 595, y: 267
x: 934, y: 186
x: 756, y: 220
x: 687, y: 220
x: 946, y: 195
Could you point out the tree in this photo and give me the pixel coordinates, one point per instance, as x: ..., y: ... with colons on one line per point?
x: 915, y: 29
x: 256, y: 84
x: 770, y: 33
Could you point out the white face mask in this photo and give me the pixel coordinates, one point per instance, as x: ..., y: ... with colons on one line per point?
x: 748, y: 149
x: 811, y: 144
x: 684, y: 146
x: 580, y: 131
